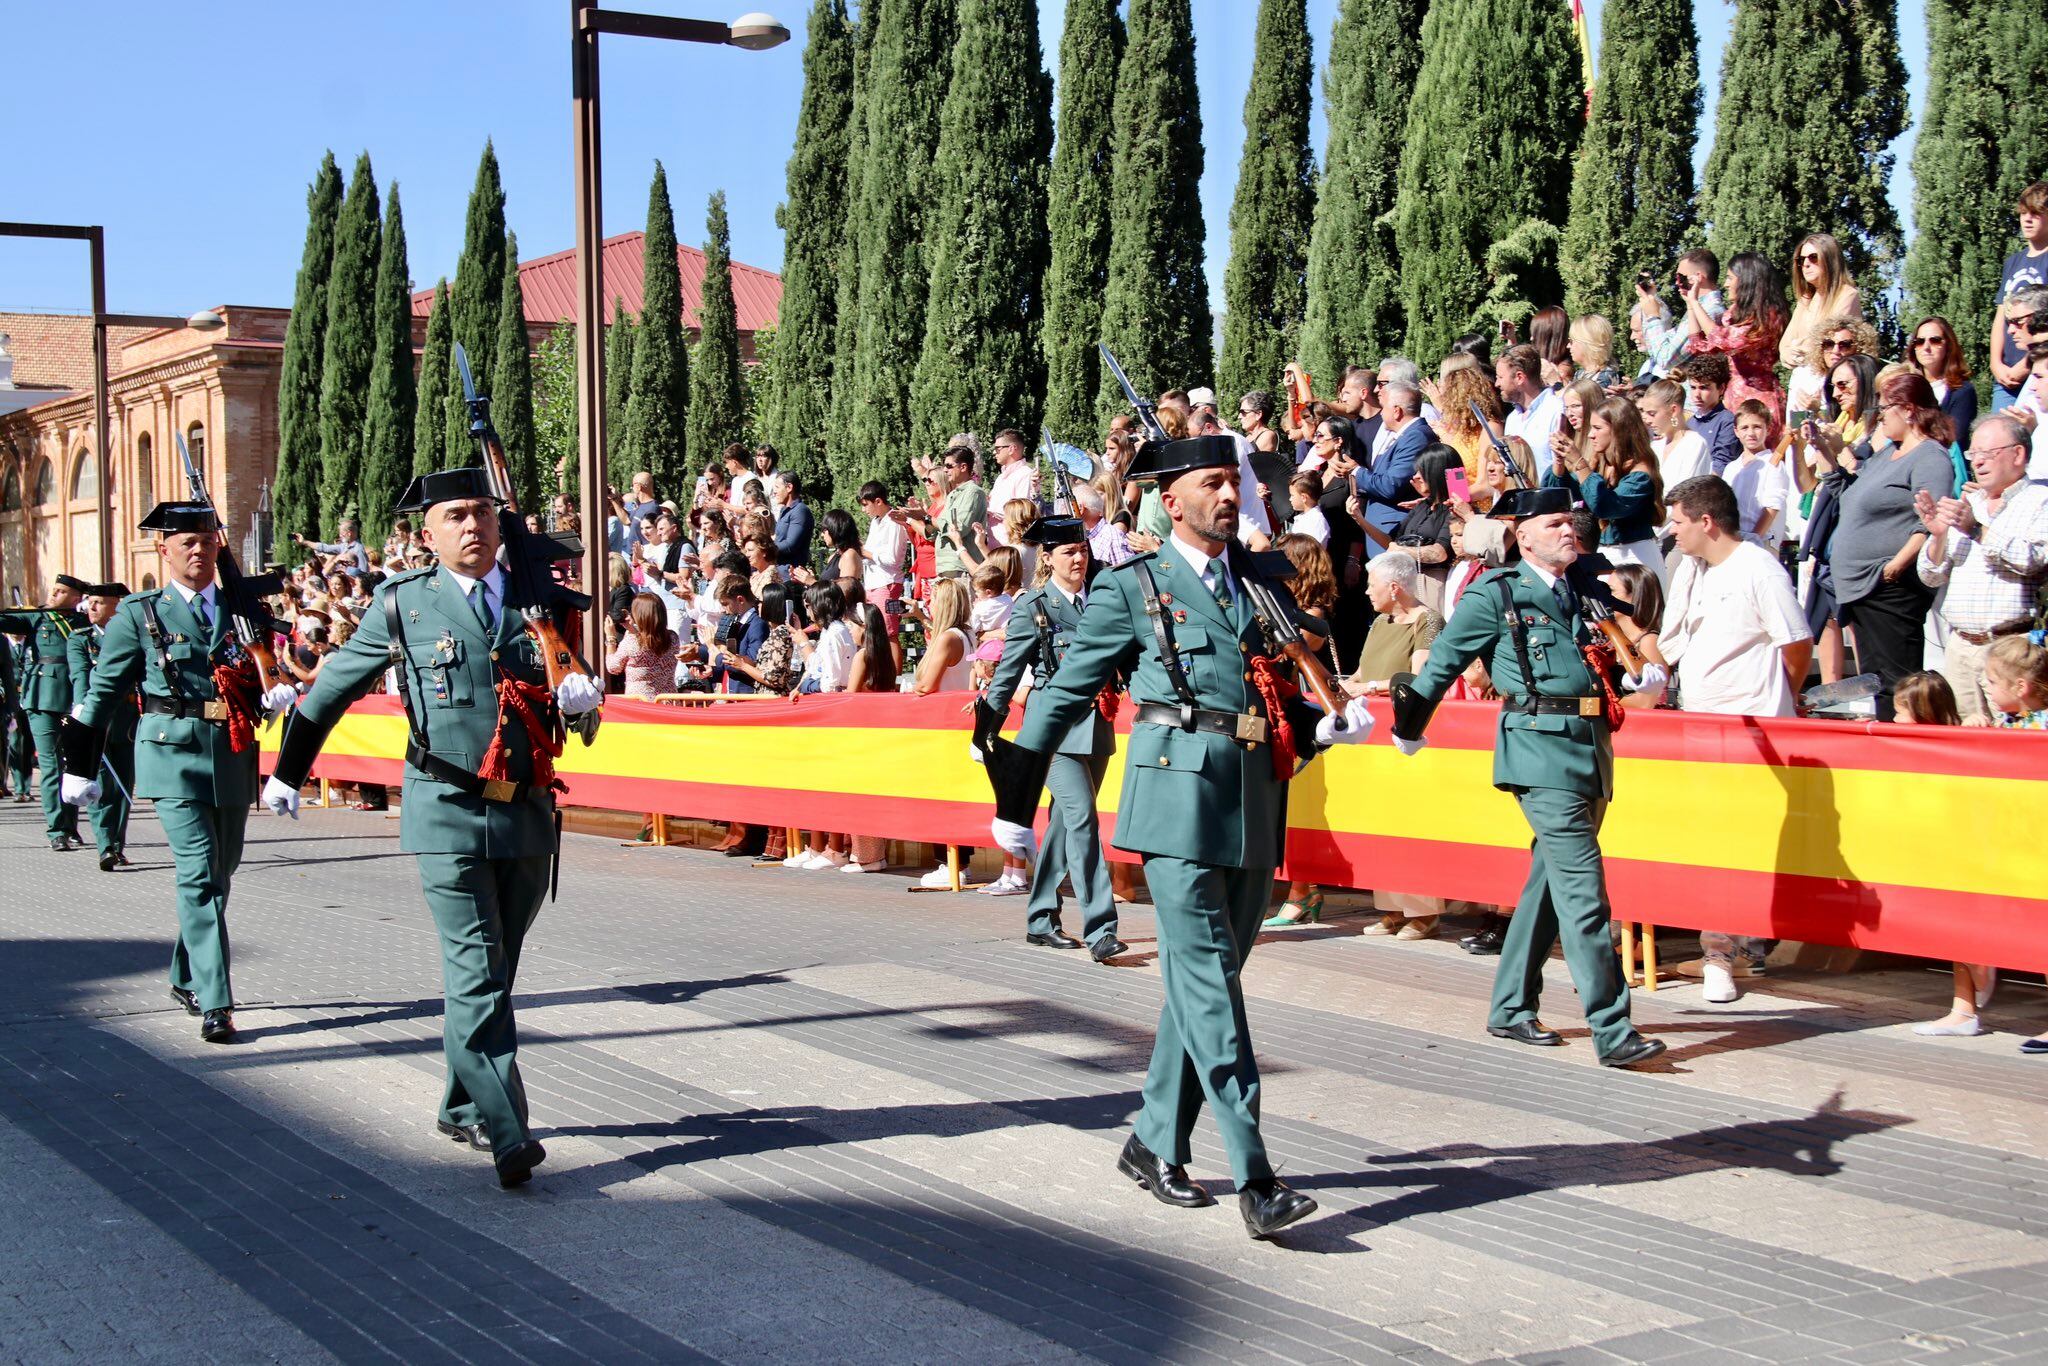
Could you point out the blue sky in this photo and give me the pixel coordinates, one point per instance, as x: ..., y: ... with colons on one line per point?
x: 191, y: 133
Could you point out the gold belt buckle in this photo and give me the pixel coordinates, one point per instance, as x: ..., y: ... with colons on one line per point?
x: 215, y: 711
x: 498, y: 790
x: 1591, y: 706
x: 1251, y: 729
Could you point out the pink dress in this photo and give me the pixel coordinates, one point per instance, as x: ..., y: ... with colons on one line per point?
x: 1752, y: 352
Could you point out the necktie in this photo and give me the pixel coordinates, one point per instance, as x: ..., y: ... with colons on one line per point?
x: 480, y: 601
x: 1567, y: 601
x: 1219, y: 584
x: 199, y: 610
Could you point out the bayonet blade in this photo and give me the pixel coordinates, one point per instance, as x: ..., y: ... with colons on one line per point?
x: 462, y: 364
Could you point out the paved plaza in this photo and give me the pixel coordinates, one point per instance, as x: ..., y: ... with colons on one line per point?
x: 810, y: 1117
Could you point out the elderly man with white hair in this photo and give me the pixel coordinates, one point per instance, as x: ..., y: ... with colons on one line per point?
x: 1382, y: 485
x: 1106, y: 540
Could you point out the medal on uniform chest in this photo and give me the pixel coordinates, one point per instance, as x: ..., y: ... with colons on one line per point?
x: 1180, y: 616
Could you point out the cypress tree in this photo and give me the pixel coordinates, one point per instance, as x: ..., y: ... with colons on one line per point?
x: 1973, y: 158
x: 388, y: 435
x: 480, y: 274
x: 906, y: 82
x: 1499, y: 104
x: 659, y: 396
x: 1632, y: 204
x: 554, y: 409
x: 351, y: 345
x: 718, y: 404
x: 1265, y: 286
x: 983, y: 362
x: 295, y: 491
x: 430, y: 422
x: 846, y: 310
x: 1077, y: 268
x: 813, y: 223
x: 1785, y: 166
x: 1354, y: 311
x: 512, y: 378
x: 1155, y: 311
x: 618, y: 388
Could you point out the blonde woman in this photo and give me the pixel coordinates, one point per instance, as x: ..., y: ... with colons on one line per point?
x: 1577, y: 402
x: 948, y: 663
x: 1461, y: 387
x: 1617, y: 478
x: 1592, y: 349
x: 1823, y: 293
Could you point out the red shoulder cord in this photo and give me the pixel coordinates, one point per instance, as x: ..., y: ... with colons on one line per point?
x: 1601, y: 660
x: 526, y: 703
x: 1276, y: 690
x: 236, y: 685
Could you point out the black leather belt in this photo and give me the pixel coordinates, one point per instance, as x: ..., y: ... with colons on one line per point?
x: 215, y: 711
x: 475, y: 785
x: 1237, y: 725
x: 1559, y: 706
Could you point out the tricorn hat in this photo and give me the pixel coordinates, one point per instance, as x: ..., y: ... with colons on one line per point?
x: 1168, y: 461
x: 76, y: 585
x: 1051, y: 531
x: 1514, y: 504
x: 172, y: 518
x: 446, y: 486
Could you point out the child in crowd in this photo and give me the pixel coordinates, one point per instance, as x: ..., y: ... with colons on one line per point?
x: 996, y: 581
x: 1305, y: 493
x: 2016, y: 683
x: 1763, y: 486
x: 1925, y: 699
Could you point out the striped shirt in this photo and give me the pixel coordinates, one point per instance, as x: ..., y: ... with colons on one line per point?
x: 1994, y: 572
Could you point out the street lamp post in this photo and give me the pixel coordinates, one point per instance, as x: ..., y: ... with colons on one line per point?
x: 754, y: 32
x: 95, y: 239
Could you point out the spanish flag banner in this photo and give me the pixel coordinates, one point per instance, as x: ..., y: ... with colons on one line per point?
x: 1921, y: 840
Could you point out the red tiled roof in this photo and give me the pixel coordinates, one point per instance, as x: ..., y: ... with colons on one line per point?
x: 54, y: 350
x: 548, y: 284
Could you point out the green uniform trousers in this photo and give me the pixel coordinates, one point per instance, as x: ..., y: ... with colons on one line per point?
x: 483, y: 908
x: 1564, y: 898
x: 110, y: 811
x: 1073, y: 850
x: 1208, y: 918
x: 21, y: 750
x: 206, y: 844
x: 59, y: 816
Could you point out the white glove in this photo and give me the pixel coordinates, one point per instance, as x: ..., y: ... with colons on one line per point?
x: 1654, y: 678
x: 282, y: 799
x: 77, y: 791
x: 578, y: 694
x: 1352, y: 726
x: 280, y: 697
x: 1410, y: 746
x: 78, y: 712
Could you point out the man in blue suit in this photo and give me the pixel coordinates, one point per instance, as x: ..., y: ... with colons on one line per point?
x: 1381, y: 486
x: 749, y: 634
x: 792, y: 520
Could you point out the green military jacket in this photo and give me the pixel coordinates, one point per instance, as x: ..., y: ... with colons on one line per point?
x: 1575, y: 753
x: 1024, y: 646
x: 9, y: 692
x: 1188, y: 794
x: 451, y: 679
x: 83, y: 652
x: 186, y: 756
x: 45, y: 682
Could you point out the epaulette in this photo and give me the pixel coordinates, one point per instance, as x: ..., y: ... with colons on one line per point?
x: 408, y: 576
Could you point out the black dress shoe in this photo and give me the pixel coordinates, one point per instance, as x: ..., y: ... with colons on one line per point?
x: 1527, y: 1031
x: 1489, y: 938
x: 1168, y: 1181
x: 1636, y: 1051
x: 111, y: 860
x: 187, y: 1000
x: 218, y: 1026
x: 475, y: 1135
x: 1270, y: 1205
x: 62, y: 844
x: 1056, y: 939
x: 1107, y: 947
x: 516, y: 1163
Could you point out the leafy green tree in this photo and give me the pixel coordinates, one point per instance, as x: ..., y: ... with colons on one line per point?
x: 437, y: 365
x: 480, y: 272
x: 554, y: 408
x: 762, y: 379
x: 512, y: 396
x: 659, y: 397
x: 718, y: 401
x: 1077, y: 269
x: 388, y: 438
x: 618, y: 391
x: 1155, y: 312
x: 1495, y: 122
x: 1633, y: 206
x: 1265, y: 287
x: 792, y: 410
x: 351, y: 345
x: 295, y: 492
x: 983, y: 363
x: 1354, y: 314
x: 846, y: 312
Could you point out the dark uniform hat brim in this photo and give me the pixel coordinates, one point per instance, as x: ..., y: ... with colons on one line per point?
x: 446, y: 486
x: 1169, y: 461
x: 76, y: 585
x: 107, y: 590
x: 170, y: 519
x: 1515, y: 504
x: 1052, y: 531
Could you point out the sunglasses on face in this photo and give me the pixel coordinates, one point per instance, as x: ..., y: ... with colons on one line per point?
x: 1843, y: 386
x: 1808, y: 258
x: 1929, y: 341
x: 2024, y: 321
x: 1838, y: 344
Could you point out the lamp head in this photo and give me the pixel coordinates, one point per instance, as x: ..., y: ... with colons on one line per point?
x: 206, y: 320
x: 757, y: 32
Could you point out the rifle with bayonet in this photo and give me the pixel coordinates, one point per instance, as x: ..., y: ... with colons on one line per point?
x: 241, y: 595
x: 1148, y: 412
x: 530, y: 557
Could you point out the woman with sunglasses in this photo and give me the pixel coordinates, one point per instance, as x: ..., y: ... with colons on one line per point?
x: 1851, y: 410
x: 1937, y: 355
x: 1822, y: 288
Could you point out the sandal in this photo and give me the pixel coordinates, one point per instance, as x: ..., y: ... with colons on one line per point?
x: 1306, y: 911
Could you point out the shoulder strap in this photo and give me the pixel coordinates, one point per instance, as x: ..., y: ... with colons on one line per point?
x: 396, y: 647
x: 1162, y: 634
x: 163, y: 656
x: 1520, y: 631
x: 1046, y: 658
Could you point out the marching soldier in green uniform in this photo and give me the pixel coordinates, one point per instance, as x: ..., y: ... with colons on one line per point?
x: 110, y: 809
x: 1043, y: 622
x: 46, y: 695
x: 1204, y: 802
x: 195, y: 751
x: 476, y: 701
x: 1532, y: 626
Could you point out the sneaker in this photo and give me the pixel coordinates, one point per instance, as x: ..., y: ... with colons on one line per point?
x: 827, y: 861
x: 877, y: 866
x: 1007, y: 886
x: 938, y: 879
x: 1720, y: 984
x: 1968, y: 1027
x: 800, y: 859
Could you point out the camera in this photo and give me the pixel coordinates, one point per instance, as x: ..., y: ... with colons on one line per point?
x: 1646, y: 281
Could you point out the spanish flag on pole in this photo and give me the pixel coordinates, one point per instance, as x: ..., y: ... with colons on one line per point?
x: 1585, y: 49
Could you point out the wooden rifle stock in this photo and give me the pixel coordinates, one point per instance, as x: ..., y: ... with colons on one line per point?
x: 1315, y: 677
x: 1625, y: 652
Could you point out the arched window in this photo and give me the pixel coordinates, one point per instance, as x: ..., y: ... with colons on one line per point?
x: 10, y: 492
x: 85, y: 476
x: 195, y: 442
x: 145, y: 473
x: 148, y: 582
x: 45, y: 486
